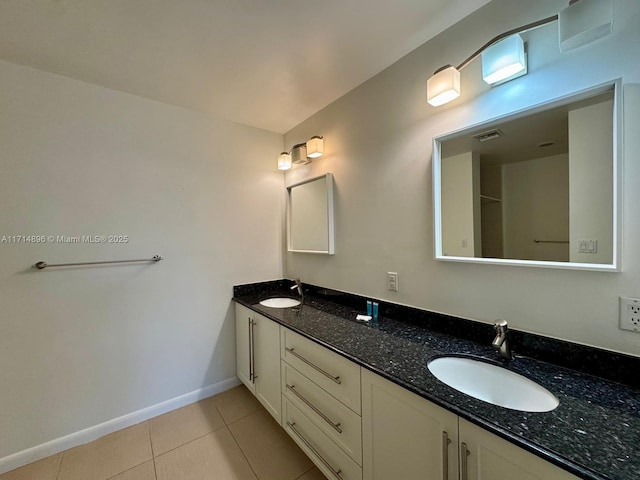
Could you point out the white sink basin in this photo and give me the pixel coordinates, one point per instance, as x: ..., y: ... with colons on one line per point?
x: 280, y: 302
x: 493, y: 384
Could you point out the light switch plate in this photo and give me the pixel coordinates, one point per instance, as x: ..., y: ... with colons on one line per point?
x: 588, y: 246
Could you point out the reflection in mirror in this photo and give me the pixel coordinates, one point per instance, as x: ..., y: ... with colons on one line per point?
x: 537, y: 188
x: 310, y: 216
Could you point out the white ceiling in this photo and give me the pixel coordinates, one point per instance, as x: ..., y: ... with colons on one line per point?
x: 265, y: 63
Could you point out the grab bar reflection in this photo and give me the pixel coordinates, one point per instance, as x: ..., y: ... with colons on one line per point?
x: 550, y: 241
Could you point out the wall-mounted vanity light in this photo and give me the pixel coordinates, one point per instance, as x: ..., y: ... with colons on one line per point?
x: 301, y: 153
x: 315, y: 147
x: 284, y: 161
x: 504, y: 60
x: 504, y: 56
x: 443, y: 86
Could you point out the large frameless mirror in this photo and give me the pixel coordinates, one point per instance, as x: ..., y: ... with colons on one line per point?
x: 538, y: 188
x: 310, y: 216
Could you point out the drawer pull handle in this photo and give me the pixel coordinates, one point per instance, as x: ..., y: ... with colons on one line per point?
x: 464, y: 461
x: 336, y: 473
x: 445, y: 455
x: 335, y: 426
x: 313, y: 365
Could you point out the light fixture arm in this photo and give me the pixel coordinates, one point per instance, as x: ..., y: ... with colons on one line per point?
x: 504, y: 56
x: 497, y: 38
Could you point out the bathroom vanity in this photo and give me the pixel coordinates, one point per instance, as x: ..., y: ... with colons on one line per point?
x: 361, y: 402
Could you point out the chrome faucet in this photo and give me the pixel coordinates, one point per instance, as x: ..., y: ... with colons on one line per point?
x: 298, y: 285
x: 501, y: 342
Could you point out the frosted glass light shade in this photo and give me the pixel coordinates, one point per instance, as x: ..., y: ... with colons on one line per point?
x: 284, y: 161
x: 315, y: 147
x: 504, y: 60
x: 443, y: 86
x: 583, y: 22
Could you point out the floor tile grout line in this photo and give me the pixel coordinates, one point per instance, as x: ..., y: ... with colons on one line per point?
x: 313, y: 467
x: 155, y: 468
x: 153, y: 455
x: 305, y: 473
x: 192, y: 439
x: 62, y: 455
x: 226, y: 425
x: 125, y: 471
x: 237, y: 419
x: 188, y: 442
x: 247, y: 458
x: 244, y: 455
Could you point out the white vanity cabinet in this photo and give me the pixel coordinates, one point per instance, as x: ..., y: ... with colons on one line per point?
x: 321, y: 405
x: 258, y: 358
x: 491, y: 457
x: 405, y: 436
x: 357, y: 425
x: 408, y: 437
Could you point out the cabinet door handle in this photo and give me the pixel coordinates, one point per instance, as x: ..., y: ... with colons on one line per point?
x: 336, y: 473
x: 464, y: 453
x: 335, y: 426
x: 252, y: 375
x: 313, y: 365
x: 445, y: 455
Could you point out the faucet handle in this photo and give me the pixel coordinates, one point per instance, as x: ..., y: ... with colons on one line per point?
x: 500, y: 324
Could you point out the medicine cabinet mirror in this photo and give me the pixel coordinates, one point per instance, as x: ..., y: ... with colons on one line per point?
x: 310, y: 216
x: 537, y: 188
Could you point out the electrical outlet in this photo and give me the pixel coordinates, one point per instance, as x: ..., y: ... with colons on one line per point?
x: 630, y: 314
x: 392, y: 281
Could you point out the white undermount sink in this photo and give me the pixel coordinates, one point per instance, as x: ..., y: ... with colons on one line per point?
x: 280, y: 302
x: 493, y: 384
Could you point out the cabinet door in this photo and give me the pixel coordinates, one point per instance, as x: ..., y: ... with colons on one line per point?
x: 405, y: 436
x: 266, y: 343
x: 492, y: 458
x: 244, y: 354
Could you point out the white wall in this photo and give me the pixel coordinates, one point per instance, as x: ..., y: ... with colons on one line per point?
x: 461, y: 223
x: 535, y: 200
x: 82, y: 346
x: 378, y: 140
x: 591, y: 197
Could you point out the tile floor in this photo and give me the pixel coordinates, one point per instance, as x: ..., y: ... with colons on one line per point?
x: 225, y: 437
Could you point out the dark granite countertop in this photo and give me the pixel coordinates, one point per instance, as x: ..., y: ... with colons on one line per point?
x: 594, y: 433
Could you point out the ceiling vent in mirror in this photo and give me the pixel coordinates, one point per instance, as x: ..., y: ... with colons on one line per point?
x: 488, y: 135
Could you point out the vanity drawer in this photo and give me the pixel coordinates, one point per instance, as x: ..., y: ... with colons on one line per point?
x: 328, y: 457
x: 335, y: 374
x: 336, y: 420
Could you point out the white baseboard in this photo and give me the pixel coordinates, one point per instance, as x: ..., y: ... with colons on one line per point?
x: 93, y: 433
